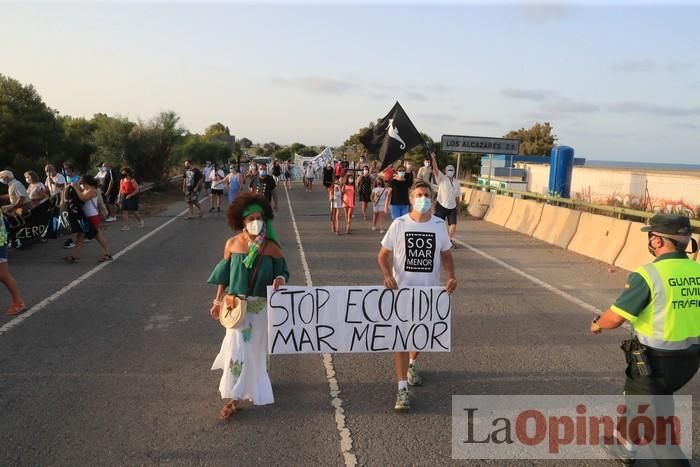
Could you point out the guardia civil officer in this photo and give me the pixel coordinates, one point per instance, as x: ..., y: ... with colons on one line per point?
x: 661, y: 301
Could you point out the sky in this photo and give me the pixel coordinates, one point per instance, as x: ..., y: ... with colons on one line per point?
x: 617, y: 80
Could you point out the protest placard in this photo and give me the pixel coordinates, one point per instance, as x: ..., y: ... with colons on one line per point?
x: 358, y: 319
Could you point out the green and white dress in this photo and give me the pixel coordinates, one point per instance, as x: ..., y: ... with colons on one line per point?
x: 243, y: 355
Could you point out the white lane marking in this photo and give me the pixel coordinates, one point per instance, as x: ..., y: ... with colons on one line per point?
x: 336, y: 401
x: 533, y: 279
x: 56, y: 295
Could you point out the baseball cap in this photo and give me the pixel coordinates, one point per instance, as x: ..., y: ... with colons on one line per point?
x: 669, y: 224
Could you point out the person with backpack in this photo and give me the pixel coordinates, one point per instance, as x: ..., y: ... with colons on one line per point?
x: 191, y: 185
x: 86, y: 189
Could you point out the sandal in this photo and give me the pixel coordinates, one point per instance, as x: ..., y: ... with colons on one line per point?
x: 104, y: 258
x: 70, y: 259
x: 226, y: 412
x: 15, y: 309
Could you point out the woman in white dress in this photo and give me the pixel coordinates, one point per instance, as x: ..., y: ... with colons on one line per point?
x: 252, y: 261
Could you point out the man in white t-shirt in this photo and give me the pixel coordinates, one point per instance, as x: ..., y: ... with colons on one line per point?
x: 417, y: 234
x: 448, y: 197
x: 206, y: 171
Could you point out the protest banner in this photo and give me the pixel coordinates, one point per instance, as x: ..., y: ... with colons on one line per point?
x: 358, y: 319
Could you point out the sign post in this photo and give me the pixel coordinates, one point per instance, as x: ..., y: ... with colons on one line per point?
x: 479, y: 144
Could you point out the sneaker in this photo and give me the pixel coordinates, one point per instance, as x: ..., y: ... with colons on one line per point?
x: 618, y: 452
x: 402, y: 401
x: 414, y: 378
x: 87, y: 240
x: 111, y: 219
x: 68, y: 244
x: 124, y: 228
x: 454, y: 246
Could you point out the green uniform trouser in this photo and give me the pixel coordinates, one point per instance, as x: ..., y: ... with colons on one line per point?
x: 670, y: 372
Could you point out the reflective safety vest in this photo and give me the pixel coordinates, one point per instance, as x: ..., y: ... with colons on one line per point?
x: 671, y: 320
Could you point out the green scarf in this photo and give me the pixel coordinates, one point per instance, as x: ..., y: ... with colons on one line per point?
x: 268, y: 232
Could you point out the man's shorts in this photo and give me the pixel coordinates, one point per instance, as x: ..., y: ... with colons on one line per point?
x: 450, y: 215
x: 192, y: 197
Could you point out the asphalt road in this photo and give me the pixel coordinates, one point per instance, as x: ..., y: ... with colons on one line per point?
x: 115, y: 370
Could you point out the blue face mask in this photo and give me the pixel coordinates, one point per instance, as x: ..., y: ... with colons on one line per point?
x: 422, y: 204
x: 263, y: 173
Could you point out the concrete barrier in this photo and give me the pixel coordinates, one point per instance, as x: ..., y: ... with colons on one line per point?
x: 466, y: 194
x: 479, y: 203
x: 634, y: 253
x: 557, y: 225
x: 525, y: 216
x: 600, y: 237
x: 499, y: 209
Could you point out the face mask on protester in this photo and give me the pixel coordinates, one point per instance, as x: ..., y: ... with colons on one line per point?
x: 401, y: 173
x: 254, y: 227
x: 263, y: 173
x: 350, y: 180
x: 3, y: 181
x: 28, y: 180
x: 422, y: 204
x: 366, y: 171
x: 450, y: 173
x: 426, y: 163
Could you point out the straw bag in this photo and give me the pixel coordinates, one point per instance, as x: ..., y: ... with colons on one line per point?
x: 233, y: 307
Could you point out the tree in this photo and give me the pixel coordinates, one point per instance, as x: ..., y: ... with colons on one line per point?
x: 30, y: 134
x: 537, y: 141
x: 217, y: 129
x: 245, y: 143
x: 111, y: 138
x: 354, y: 139
x: 152, y: 145
x: 284, y: 154
x: 199, y: 149
x: 269, y: 148
x: 79, y: 146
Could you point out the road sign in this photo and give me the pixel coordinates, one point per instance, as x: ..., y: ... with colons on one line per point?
x: 479, y: 144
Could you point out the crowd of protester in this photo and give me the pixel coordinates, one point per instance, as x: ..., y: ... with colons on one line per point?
x: 385, y: 192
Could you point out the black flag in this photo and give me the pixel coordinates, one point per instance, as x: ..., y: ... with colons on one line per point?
x: 392, y: 136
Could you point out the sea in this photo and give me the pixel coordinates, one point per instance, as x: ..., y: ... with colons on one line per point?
x: 643, y: 165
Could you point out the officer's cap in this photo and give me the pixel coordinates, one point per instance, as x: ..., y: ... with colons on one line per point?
x: 668, y: 224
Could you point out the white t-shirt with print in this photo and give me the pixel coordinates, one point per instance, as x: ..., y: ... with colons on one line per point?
x: 416, y: 249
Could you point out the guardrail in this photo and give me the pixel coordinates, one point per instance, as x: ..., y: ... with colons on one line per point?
x: 576, y: 204
x: 150, y: 185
